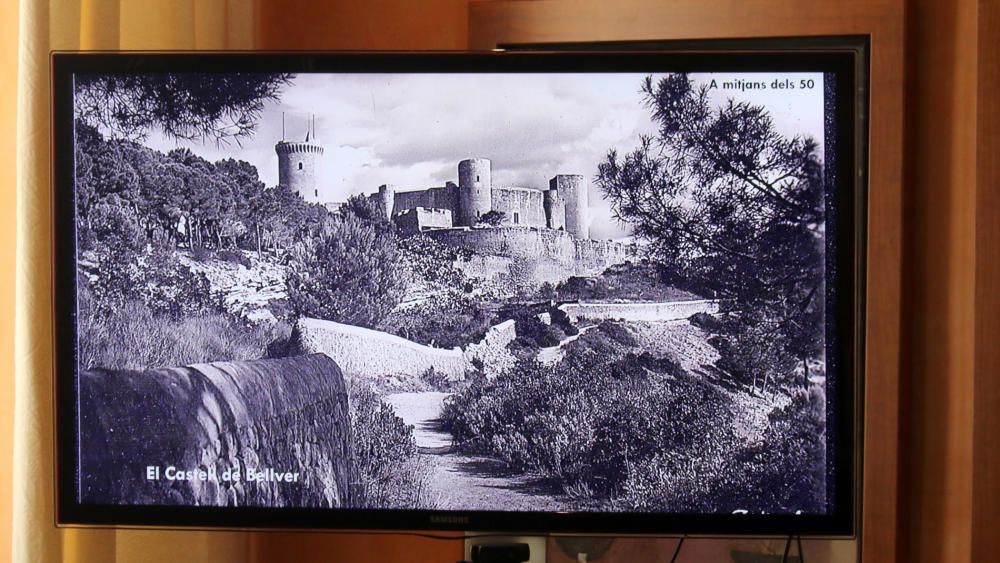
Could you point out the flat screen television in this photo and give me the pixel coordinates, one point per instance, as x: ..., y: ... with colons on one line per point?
x: 544, y: 292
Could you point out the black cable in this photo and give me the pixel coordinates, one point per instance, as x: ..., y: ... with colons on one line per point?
x: 788, y: 547
x: 802, y: 557
x: 677, y: 550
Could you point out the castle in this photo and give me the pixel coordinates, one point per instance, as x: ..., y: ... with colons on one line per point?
x: 563, y: 207
x: 297, y: 164
x: 548, y: 231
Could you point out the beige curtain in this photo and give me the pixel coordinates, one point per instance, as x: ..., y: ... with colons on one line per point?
x: 47, y: 25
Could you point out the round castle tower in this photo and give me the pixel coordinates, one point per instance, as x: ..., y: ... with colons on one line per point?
x: 555, y: 209
x: 573, y: 190
x: 297, y: 167
x: 387, y: 198
x: 475, y: 190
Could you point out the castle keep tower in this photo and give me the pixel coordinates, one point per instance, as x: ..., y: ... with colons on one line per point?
x: 475, y: 190
x: 297, y: 166
x: 573, y: 190
x: 555, y: 210
x: 387, y: 198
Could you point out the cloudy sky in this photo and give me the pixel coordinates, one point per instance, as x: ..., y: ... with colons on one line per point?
x: 412, y: 129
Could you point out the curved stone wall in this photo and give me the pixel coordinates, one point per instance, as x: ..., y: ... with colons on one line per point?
x: 650, y: 312
x: 363, y: 352
x: 285, y: 420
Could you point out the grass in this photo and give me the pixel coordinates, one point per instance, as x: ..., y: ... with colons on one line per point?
x: 132, y: 336
x: 631, y: 282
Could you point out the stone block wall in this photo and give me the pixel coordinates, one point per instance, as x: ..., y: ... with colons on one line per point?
x: 362, y: 352
x: 288, y: 415
x: 525, y: 202
x: 651, y: 312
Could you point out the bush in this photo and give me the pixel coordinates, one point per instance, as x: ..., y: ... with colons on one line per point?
x: 533, y: 332
x: 618, y: 333
x: 348, y: 273
x: 783, y: 473
x: 134, y: 336
x: 584, y: 427
x: 753, y: 351
x: 389, y: 470
x: 443, y: 320
x: 158, y: 280
x: 234, y: 257
x: 706, y: 322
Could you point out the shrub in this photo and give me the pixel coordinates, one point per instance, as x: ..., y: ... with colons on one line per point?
x: 348, y: 273
x: 445, y: 320
x: 584, y: 427
x: 158, y: 280
x: 234, y: 257
x: 492, y: 218
x: 706, y: 322
x: 783, y: 473
x: 389, y: 470
x: 618, y: 333
x: 134, y: 336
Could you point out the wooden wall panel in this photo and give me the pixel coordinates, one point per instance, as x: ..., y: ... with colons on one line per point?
x: 369, y: 25
x: 986, y: 426
x: 493, y: 22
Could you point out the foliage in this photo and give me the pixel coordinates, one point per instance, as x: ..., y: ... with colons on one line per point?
x: 635, y: 282
x: 638, y: 431
x: 367, y: 210
x: 157, y: 280
x: 349, y: 273
x: 133, y: 196
x: 390, y: 475
x: 492, y: 218
x: 190, y: 105
x: 584, y: 426
x: 782, y: 473
x: 446, y: 320
x: 132, y: 335
x: 734, y: 207
x: 617, y: 332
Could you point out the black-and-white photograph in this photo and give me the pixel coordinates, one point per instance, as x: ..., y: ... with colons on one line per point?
x: 543, y: 292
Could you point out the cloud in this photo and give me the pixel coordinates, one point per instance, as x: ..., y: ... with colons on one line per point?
x: 412, y: 129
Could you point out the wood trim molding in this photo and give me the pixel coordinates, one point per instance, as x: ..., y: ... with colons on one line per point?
x: 512, y: 21
x: 986, y: 419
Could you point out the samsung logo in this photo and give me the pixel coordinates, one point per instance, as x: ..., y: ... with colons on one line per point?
x: 449, y: 519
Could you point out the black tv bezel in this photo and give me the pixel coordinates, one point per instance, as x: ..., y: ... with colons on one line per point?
x: 844, y: 58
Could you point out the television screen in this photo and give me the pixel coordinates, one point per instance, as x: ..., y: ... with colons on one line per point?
x: 602, y: 292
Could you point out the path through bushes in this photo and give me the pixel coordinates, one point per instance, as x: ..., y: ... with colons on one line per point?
x: 464, y: 482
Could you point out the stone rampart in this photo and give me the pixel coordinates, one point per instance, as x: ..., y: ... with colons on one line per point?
x: 555, y: 255
x: 363, y: 352
x: 367, y: 353
x: 651, y: 312
x: 288, y: 415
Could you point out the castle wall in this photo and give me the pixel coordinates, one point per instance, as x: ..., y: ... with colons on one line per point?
x: 649, y: 312
x: 527, y: 203
x: 445, y: 197
x: 288, y: 414
x: 555, y: 210
x: 549, y: 255
x: 412, y: 221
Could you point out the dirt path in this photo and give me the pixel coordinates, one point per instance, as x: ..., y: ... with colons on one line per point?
x: 462, y: 482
